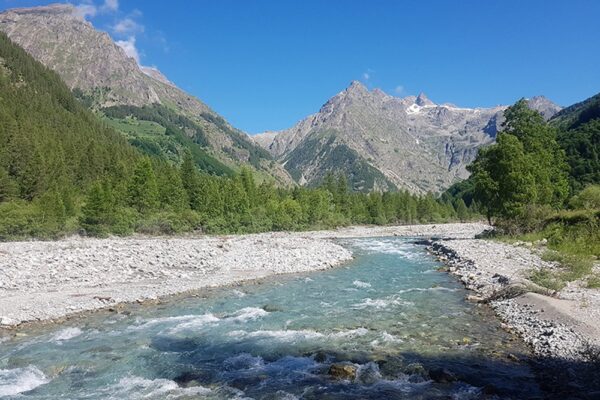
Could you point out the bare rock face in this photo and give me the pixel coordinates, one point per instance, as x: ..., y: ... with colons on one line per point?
x: 410, y: 143
x: 544, y: 106
x: 382, y: 142
x: 58, y: 38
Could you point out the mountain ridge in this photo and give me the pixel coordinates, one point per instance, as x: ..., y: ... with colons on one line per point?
x: 61, y: 39
x: 413, y: 142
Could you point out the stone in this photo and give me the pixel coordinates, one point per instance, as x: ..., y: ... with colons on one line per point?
x: 442, y: 375
x: 416, y: 369
x: 5, y: 321
x: 342, y: 371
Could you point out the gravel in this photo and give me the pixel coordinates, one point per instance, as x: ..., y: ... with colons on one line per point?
x: 41, y: 281
x: 555, y: 324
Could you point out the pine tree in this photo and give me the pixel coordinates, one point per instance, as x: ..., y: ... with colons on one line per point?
x: 461, y: 210
x: 143, y: 189
x: 172, y: 193
x: 8, y: 187
x: 96, y: 211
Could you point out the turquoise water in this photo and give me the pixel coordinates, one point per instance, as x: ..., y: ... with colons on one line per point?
x: 389, y: 313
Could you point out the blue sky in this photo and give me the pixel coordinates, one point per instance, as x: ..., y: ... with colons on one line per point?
x: 265, y: 64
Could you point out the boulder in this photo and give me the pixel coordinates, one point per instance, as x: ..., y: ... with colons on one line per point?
x: 342, y: 371
x: 442, y: 375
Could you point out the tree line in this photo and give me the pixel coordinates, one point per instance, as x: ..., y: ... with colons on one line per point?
x: 534, y: 170
x: 63, y: 171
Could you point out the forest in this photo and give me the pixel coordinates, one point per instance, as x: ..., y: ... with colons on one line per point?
x: 540, y: 184
x: 64, y: 171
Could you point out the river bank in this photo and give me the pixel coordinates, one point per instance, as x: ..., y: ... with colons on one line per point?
x: 45, y: 281
x: 564, y: 324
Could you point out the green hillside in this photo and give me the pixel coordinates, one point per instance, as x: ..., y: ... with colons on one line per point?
x: 64, y: 171
x: 579, y: 136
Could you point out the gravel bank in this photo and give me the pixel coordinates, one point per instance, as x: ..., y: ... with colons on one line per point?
x: 558, y: 325
x: 42, y: 281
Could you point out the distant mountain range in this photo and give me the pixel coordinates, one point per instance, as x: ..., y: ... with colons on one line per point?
x: 377, y: 141
x: 160, y: 118
x: 385, y: 142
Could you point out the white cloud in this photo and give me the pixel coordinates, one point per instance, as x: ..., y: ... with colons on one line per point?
x: 110, y: 6
x: 366, y: 76
x: 129, y: 48
x: 399, y: 89
x: 86, y: 10
x: 127, y: 26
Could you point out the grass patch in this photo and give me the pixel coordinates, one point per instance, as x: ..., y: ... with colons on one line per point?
x: 573, y: 241
x: 593, y: 282
x: 547, y: 278
x: 575, y: 266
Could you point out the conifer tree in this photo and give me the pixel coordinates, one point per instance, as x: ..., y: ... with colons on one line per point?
x: 143, y: 189
x: 96, y: 211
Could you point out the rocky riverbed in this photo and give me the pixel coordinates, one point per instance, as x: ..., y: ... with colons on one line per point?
x: 41, y: 281
x: 563, y: 324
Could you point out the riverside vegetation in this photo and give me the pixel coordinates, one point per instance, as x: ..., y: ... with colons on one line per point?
x: 539, y: 183
x: 64, y: 171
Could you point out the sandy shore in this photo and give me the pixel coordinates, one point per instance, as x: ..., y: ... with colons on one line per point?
x: 563, y: 325
x: 42, y: 281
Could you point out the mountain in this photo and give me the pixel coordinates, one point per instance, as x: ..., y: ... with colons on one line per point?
x: 382, y: 142
x: 51, y: 147
x: 544, y: 106
x: 579, y: 136
x: 159, y: 118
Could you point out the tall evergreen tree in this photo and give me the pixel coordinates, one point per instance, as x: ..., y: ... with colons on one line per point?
x: 143, y: 189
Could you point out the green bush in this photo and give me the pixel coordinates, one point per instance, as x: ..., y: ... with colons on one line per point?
x: 587, y: 199
x: 17, y: 219
x: 547, y: 279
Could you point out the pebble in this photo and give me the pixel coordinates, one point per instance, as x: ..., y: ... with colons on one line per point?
x: 486, y: 267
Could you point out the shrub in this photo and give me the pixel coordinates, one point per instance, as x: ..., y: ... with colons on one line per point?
x: 587, y: 199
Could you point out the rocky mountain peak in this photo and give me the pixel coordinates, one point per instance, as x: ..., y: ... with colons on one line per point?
x: 52, y: 9
x: 380, y: 141
x: 544, y: 106
x: 155, y: 73
x: 356, y: 87
x: 422, y: 100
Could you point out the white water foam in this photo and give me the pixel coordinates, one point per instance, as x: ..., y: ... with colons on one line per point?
x: 243, y: 361
x: 388, y: 246
x: 431, y: 289
x: 20, y: 380
x: 66, y: 334
x: 135, y: 387
x: 361, y: 284
x: 386, y: 338
x: 193, y: 322
x: 295, y: 335
x: 380, y: 303
x: 390, y: 338
x: 248, y: 314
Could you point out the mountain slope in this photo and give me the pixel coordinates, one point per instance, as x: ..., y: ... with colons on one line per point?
x: 51, y: 147
x: 90, y: 61
x: 544, y: 106
x: 579, y: 136
x: 381, y: 142
x: 411, y: 142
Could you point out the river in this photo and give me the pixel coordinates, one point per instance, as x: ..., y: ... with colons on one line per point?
x: 405, y: 328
